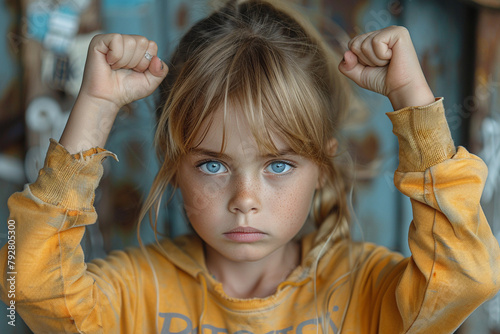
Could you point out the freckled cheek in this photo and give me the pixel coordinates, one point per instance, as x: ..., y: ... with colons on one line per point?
x: 291, y: 204
x: 201, y: 198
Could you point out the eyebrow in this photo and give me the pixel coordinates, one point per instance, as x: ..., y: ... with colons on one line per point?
x: 287, y: 151
x: 220, y: 155
x: 201, y: 151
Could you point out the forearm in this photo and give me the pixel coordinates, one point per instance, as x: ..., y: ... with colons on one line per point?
x: 89, y: 124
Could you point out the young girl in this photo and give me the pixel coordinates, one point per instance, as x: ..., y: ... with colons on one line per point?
x: 247, y: 133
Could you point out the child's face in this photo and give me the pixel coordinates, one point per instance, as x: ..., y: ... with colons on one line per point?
x: 244, y: 204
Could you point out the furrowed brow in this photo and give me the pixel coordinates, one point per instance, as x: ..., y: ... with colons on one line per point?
x: 280, y: 153
x: 204, y: 152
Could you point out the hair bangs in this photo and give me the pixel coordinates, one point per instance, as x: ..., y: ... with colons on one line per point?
x: 260, y: 81
x: 272, y: 92
x: 196, y: 94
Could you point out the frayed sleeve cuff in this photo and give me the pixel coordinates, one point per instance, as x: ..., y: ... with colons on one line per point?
x: 423, y: 135
x: 69, y: 180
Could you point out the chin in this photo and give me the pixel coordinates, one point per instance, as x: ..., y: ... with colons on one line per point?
x: 245, y: 253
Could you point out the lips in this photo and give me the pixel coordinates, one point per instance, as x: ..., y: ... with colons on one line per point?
x: 245, y: 234
x: 245, y: 229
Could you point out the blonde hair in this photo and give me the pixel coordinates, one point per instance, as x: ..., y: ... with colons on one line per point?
x: 282, y: 74
x: 270, y: 61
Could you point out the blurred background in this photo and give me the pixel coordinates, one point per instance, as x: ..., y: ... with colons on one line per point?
x: 42, y: 54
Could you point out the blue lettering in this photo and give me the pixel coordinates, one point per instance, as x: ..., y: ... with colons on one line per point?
x: 333, y: 327
x: 285, y: 330
x: 213, y: 329
x: 314, y: 322
x: 167, y: 323
x: 306, y: 323
x: 332, y: 324
x: 183, y: 325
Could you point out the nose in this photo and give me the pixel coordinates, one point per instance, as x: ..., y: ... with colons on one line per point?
x: 245, y: 198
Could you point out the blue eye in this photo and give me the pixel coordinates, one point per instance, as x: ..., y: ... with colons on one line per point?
x: 278, y: 167
x: 212, y: 167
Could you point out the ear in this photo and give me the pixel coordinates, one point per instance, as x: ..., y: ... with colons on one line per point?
x: 331, y: 149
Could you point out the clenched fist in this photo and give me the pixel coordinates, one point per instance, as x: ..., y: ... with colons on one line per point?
x: 121, y: 69
x: 385, y: 61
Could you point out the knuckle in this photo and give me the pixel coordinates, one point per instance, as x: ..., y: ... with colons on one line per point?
x: 366, y: 46
x: 116, y: 37
x: 96, y: 39
x: 355, y: 45
x: 377, y: 41
x: 402, y: 30
x: 153, y: 46
x: 130, y: 43
x: 142, y: 41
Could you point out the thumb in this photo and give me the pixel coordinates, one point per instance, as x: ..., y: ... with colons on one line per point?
x: 351, y: 68
x: 157, y: 71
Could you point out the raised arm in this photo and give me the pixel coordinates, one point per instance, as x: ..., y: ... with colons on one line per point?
x: 455, y: 262
x: 55, y: 291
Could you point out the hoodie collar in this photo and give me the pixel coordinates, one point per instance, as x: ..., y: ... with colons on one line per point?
x: 187, y: 253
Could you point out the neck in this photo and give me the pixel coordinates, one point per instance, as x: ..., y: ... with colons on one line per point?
x: 256, y: 279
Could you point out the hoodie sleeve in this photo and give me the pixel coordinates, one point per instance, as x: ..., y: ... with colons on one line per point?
x: 455, y: 261
x: 55, y: 291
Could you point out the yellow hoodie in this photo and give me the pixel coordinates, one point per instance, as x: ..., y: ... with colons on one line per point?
x: 454, y: 267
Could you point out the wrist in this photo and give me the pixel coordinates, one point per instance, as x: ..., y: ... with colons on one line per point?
x: 89, y: 124
x: 95, y: 103
x: 411, y: 96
